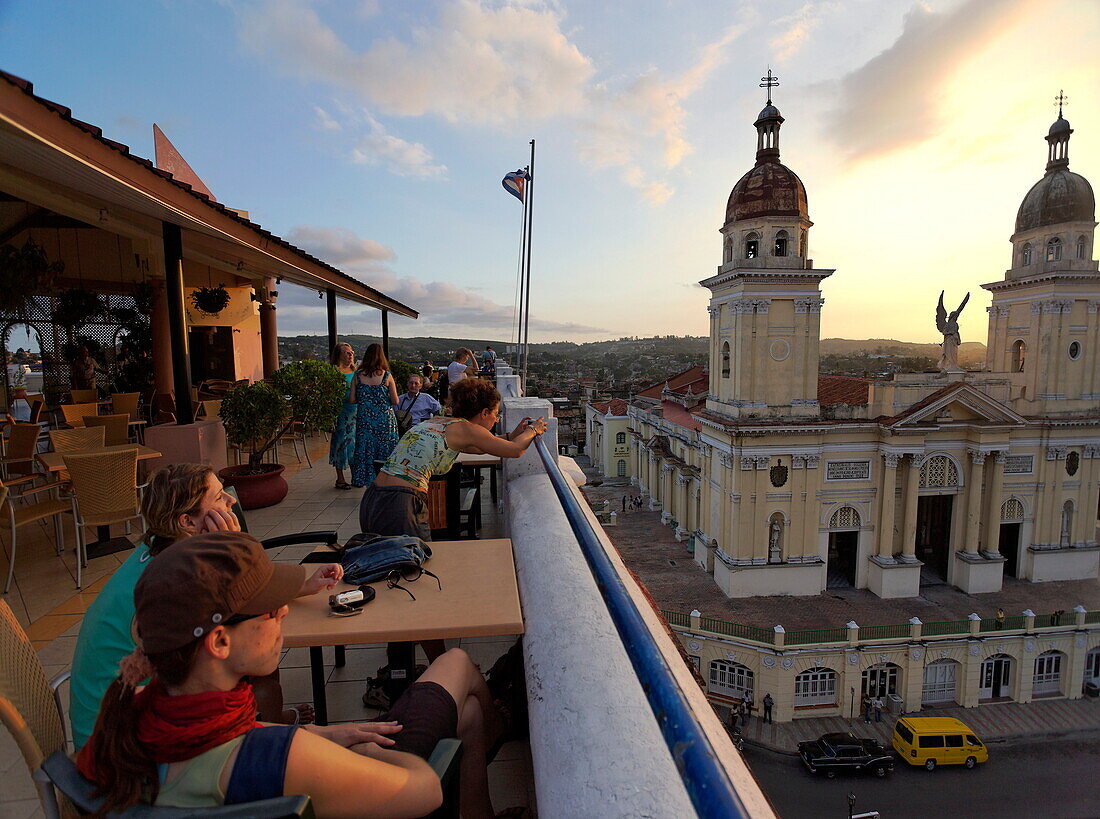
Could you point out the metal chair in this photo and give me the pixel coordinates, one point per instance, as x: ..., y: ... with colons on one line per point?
x: 74, y: 413
x: 84, y: 396
x: 13, y: 497
x: 116, y: 428
x: 105, y: 491
x: 295, y: 433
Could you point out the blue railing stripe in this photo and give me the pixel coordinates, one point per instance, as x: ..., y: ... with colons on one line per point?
x: 707, y: 781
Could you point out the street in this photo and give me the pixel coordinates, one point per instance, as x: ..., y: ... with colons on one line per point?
x: 1052, y: 779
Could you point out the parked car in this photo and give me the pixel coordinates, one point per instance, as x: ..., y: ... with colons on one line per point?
x: 831, y: 754
x: 932, y: 741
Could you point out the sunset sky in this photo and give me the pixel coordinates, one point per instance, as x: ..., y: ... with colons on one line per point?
x: 375, y: 134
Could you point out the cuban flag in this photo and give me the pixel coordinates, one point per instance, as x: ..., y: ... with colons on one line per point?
x: 516, y: 183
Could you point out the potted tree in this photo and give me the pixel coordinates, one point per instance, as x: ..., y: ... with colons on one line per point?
x: 308, y: 393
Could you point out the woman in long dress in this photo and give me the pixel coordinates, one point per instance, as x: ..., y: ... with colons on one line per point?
x: 342, y: 446
x: 373, y: 390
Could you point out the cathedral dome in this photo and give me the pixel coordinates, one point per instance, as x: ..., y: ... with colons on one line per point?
x: 769, y: 189
x: 1061, y: 195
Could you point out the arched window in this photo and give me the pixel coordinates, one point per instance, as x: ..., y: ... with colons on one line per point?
x: 939, y: 471
x: 731, y: 679
x: 815, y: 686
x: 727, y: 250
x: 1082, y: 246
x: 1012, y: 511
x: 725, y: 359
x: 940, y: 681
x: 752, y: 246
x: 1047, y: 678
x: 1066, y: 535
x: 1019, y: 354
x: 1025, y: 255
x: 1092, y: 666
x: 802, y: 244
x: 620, y: 437
x: 881, y: 680
x: 845, y: 518
x: 1054, y: 250
x: 622, y: 469
x: 782, y: 239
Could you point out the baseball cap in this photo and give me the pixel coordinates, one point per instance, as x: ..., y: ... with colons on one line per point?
x: 201, y: 581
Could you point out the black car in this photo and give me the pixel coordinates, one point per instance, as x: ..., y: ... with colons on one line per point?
x: 832, y: 753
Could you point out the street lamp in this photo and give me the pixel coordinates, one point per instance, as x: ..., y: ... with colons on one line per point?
x: 851, y: 804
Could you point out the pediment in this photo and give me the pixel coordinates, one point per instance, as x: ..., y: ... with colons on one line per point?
x: 958, y: 404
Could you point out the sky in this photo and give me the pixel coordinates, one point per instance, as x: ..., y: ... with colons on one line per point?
x: 375, y: 133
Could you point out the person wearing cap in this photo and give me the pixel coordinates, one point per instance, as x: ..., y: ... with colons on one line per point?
x: 208, y: 614
x: 180, y: 500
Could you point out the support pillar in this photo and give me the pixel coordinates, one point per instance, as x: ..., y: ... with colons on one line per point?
x: 330, y: 304
x: 162, y: 341
x: 886, y: 510
x: 974, y: 502
x: 993, y: 524
x: 172, y: 238
x: 269, y: 335
x: 912, y: 487
x: 386, y: 332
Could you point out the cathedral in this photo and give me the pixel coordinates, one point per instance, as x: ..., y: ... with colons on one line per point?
x: 790, y: 482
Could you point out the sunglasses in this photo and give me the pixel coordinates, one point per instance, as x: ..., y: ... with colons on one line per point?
x: 408, y: 574
x: 237, y: 619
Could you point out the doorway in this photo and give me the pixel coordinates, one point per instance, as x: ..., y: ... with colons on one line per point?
x: 934, y: 532
x: 1010, y: 547
x: 843, y: 553
x: 996, y: 678
x: 211, y: 354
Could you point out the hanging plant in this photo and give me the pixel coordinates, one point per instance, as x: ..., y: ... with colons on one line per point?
x: 76, y: 307
x: 134, y: 360
x: 210, y: 300
x: 24, y: 273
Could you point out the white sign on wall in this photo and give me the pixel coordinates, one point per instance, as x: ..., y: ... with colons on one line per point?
x: 847, y: 470
x: 1019, y: 464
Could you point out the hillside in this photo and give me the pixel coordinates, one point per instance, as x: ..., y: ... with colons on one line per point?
x: 970, y: 352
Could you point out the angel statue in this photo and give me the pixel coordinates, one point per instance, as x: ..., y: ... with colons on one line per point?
x: 949, y: 326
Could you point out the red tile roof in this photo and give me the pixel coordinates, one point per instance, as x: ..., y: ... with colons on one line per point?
x: 696, y: 377
x: 678, y: 415
x: 842, y: 389
x: 617, y: 406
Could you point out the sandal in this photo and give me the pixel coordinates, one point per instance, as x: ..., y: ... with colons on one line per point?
x: 343, y: 485
x: 303, y: 713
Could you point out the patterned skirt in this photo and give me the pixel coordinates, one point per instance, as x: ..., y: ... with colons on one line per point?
x: 342, y: 444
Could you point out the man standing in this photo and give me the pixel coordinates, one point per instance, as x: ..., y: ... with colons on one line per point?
x: 877, y: 704
x: 768, y: 703
x: 461, y: 367
x: 624, y: 504
x: 419, y: 405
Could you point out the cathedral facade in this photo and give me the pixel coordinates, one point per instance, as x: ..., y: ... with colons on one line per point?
x: 788, y: 482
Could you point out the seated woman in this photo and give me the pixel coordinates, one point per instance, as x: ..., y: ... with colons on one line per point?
x: 209, y: 613
x: 180, y: 500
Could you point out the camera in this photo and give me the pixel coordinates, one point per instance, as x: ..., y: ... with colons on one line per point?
x: 356, y: 598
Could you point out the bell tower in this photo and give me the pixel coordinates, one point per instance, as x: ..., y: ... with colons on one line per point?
x: 765, y: 304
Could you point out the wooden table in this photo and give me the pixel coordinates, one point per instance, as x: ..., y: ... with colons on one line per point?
x: 479, y: 462
x: 104, y: 544
x: 479, y: 599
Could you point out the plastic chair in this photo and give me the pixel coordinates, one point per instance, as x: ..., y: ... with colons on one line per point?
x: 116, y: 428
x: 23, y: 512
x: 126, y: 403
x: 105, y: 491
x: 30, y: 707
x: 74, y: 413
x: 84, y: 396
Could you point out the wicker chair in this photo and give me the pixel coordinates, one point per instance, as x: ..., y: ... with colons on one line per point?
x: 126, y: 403
x: 116, y: 428
x: 84, y: 396
x: 30, y: 707
x: 22, y: 445
x: 13, y: 498
x: 105, y: 491
x: 74, y: 413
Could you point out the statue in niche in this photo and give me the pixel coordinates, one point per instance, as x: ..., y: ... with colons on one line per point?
x: 949, y: 326
x: 775, y: 540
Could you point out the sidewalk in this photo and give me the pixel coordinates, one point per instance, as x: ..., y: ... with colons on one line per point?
x: 992, y: 722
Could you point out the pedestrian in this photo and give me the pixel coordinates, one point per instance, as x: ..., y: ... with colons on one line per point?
x: 624, y: 504
x: 743, y: 710
x: 865, y: 703
x: 748, y: 706
x: 1000, y: 618
x: 768, y: 703
x: 1056, y: 617
x: 342, y: 445
x: 372, y: 388
x: 877, y: 704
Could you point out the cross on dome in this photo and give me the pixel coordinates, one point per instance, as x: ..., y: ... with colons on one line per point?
x: 769, y: 82
x: 1060, y: 100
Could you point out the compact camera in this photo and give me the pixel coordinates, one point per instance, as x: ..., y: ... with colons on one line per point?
x: 350, y: 600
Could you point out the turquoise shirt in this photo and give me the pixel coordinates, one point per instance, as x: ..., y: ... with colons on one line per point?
x: 104, y: 640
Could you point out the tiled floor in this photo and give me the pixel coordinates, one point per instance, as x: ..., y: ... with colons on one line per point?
x: 47, y: 603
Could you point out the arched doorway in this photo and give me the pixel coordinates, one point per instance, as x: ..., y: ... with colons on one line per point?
x: 22, y: 350
x: 843, y: 548
x: 995, y: 678
x: 1047, y: 678
x: 1012, y: 520
x: 881, y: 680
x: 731, y: 679
x: 940, y: 682
x: 939, y: 483
x: 1092, y: 667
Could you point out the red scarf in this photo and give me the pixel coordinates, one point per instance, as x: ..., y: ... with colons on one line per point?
x: 175, y: 729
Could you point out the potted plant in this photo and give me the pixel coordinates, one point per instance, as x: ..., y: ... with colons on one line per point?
x: 19, y: 383
x: 210, y: 300
x: 75, y: 308
x: 309, y: 393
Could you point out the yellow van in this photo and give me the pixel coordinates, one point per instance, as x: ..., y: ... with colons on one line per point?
x: 932, y: 741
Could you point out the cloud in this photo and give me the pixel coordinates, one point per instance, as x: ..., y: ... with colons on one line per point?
x: 799, y: 25
x: 892, y: 101
x: 494, y: 65
x: 379, y: 147
x: 324, y: 121
x: 442, y: 305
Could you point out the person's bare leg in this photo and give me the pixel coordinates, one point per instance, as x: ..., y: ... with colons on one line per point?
x: 473, y: 795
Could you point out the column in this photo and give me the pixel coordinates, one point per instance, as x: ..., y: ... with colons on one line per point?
x: 886, y: 509
x: 330, y: 305
x: 162, y: 341
x: 269, y: 337
x: 974, y: 502
x: 993, y: 522
x: 386, y: 337
x: 172, y: 237
x: 909, y: 534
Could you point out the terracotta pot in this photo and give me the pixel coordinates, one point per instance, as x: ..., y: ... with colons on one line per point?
x: 17, y: 393
x: 256, y: 491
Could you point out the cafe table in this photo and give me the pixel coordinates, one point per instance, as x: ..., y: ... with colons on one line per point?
x: 480, y: 462
x: 105, y: 544
x: 479, y: 598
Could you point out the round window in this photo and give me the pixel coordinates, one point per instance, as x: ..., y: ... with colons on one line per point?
x: 1075, y: 350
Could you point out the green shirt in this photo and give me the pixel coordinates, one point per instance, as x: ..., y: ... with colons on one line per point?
x: 104, y: 640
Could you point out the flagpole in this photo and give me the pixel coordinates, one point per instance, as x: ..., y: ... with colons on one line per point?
x: 522, y: 273
x: 530, y: 225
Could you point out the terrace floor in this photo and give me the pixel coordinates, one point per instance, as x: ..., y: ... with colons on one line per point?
x: 47, y: 604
